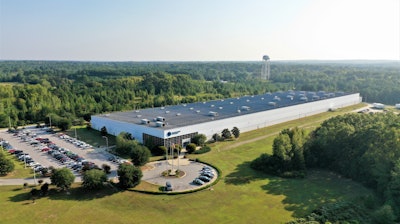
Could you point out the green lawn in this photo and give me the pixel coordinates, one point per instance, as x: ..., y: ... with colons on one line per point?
x: 19, y: 171
x: 91, y: 136
x: 241, y: 196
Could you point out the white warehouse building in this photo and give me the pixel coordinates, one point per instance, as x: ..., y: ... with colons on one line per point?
x: 178, y: 124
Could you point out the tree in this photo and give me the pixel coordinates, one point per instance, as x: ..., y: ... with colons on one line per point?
x: 190, y: 148
x: 44, y: 188
x: 6, y: 165
x: 64, y: 124
x: 199, y: 139
x: 62, y: 178
x: 106, y: 168
x: 226, y: 134
x: 216, y: 137
x: 129, y: 176
x: 34, y: 194
x: 282, y: 148
x: 103, y: 131
x: 124, y: 144
x: 93, y: 179
x: 236, y: 132
x: 140, y: 155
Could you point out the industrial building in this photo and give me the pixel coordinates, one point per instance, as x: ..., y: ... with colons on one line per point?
x: 179, y: 123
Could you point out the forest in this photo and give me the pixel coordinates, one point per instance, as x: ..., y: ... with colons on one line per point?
x: 32, y: 91
x: 362, y: 147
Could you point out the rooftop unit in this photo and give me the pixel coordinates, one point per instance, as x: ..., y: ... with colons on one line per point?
x: 213, y: 114
x: 145, y: 121
x: 160, y: 124
x: 245, y: 108
x: 160, y: 118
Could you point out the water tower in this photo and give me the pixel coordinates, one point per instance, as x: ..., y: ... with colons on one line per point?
x: 265, y: 68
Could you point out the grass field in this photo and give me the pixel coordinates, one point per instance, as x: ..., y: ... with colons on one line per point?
x: 19, y: 169
x: 241, y: 196
x: 90, y: 136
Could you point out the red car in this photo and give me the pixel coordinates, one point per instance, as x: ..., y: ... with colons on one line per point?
x: 12, y: 151
x: 45, y: 149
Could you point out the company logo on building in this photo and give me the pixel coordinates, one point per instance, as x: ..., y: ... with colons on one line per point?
x: 173, y: 133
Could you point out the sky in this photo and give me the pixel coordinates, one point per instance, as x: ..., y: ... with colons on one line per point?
x: 206, y: 30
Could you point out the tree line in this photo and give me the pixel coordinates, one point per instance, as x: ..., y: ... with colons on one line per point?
x: 32, y: 90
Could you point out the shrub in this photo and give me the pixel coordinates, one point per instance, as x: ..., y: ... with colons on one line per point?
x: 203, y: 149
x: 190, y: 148
x: 159, y: 150
x: 199, y: 139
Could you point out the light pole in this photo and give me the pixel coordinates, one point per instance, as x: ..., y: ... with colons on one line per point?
x: 34, y: 175
x: 106, y: 142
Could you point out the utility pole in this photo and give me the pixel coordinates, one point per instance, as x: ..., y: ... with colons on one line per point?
x: 9, y: 122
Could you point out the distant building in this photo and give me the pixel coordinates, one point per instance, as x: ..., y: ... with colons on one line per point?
x: 178, y: 124
x: 378, y: 106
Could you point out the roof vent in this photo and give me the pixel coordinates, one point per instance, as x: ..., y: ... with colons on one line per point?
x: 160, y: 118
x: 191, y: 108
x: 184, y: 104
x: 212, y: 105
x: 197, y: 111
x: 145, y: 121
x: 213, y: 114
x: 247, y: 100
x: 239, y: 111
x: 220, y: 108
x: 139, y: 115
x: 162, y: 108
x: 245, y: 108
x: 160, y: 124
x: 230, y: 102
x: 178, y: 114
x: 167, y: 111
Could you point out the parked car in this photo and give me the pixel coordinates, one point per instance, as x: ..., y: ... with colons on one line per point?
x: 205, y: 178
x: 198, y: 181
x: 168, y: 186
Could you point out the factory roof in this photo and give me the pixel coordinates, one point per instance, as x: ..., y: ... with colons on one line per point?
x: 169, y: 117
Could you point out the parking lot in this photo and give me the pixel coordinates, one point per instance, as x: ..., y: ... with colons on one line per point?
x: 38, y: 144
x: 46, y: 149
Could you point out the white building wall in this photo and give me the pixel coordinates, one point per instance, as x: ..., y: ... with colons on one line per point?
x: 115, y: 127
x: 245, y: 123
